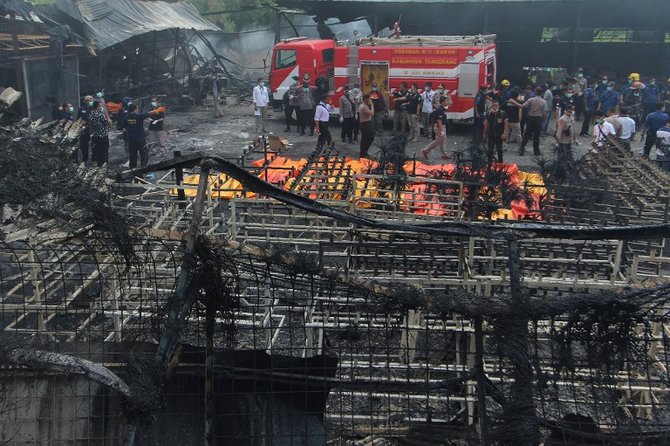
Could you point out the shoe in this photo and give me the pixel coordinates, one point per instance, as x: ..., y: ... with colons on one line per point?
x: 412, y: 139
x: 302, y: 133
x: 424, y: 154
x: 351, y: 141
x: 310, y: 133
x: 287, y: 129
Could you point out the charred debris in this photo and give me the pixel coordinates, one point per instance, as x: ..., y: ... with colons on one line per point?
x: 277, y: 317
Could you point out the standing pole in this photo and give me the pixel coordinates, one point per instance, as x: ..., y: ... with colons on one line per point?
x: 520, y: 410
x: 484, y: 436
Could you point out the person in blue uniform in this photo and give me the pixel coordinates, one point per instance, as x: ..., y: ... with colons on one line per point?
x: 133, y: 124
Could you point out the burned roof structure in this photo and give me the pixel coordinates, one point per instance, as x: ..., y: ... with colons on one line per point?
x: 108, y: 23
x: 123, y: 47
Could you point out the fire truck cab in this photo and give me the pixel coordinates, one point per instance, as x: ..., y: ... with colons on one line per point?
x: 297, y: 57
x: 460, y: 63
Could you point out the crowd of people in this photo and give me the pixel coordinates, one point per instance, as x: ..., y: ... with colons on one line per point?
x: 99, y: 117
x: 504, y: 115
x: 574, y: 107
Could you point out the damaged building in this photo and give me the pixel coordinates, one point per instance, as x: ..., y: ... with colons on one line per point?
x: 271, y: 295
x: 58, y: 52
x: 613, y: 37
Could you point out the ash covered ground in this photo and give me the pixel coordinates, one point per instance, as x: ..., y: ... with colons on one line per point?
x: 199, y: 130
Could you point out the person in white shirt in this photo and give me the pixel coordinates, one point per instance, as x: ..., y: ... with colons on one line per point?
x: 627, y: 127
x: 261, y: 100
x: 321, y: 120
x: 427, y: 107
x: 601, y: 130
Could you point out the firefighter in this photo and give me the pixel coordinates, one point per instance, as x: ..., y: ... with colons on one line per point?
x: 380, y: 107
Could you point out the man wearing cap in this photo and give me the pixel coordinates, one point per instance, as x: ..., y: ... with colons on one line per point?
x: 321, y: 120
x: 291, y: 103
x: 261, y: 99
x: 84, y: 114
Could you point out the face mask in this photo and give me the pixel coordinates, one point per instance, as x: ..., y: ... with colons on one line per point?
x: 609, y: 88
x: 637, y: 93
x: 568, y: 95
x: 98, y: 94
x: 262, y: 84
x: 154, y: 104
x: 305, y: 89
x: 427, y: 88
x: 90, y: 103
x: 71, y: 109
x: 604, y: 81
x: 652, y: 83
x: 599, y: 121
x: 580, y: 75
x: 374, y: 88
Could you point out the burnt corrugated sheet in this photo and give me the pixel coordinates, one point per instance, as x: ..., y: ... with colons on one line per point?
x: 109, y: 22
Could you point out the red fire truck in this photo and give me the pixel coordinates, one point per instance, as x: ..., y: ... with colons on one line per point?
x: 460, y: 63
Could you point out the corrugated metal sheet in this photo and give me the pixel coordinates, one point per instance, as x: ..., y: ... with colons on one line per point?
x: 109, y: 22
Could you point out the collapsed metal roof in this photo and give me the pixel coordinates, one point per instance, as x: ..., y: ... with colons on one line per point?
x: 108, y: 23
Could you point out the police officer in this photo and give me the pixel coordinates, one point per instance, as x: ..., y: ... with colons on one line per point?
x: 133, y: 125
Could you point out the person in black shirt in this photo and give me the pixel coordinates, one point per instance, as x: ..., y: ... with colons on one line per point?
x: 513, y: 112
x: 67, y: 112
x: 567, y: 99
x: 480, y: 110
x: 414, y: 112
x: 439, y: 120
x: 496, y: 128
x: 84, y: 114
x: 400, y: 100
x: 133, y: 124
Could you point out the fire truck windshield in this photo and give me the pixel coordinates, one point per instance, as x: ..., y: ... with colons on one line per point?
x: 285, y: 59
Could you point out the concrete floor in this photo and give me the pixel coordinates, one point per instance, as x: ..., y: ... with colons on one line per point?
x: 199, y: 130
